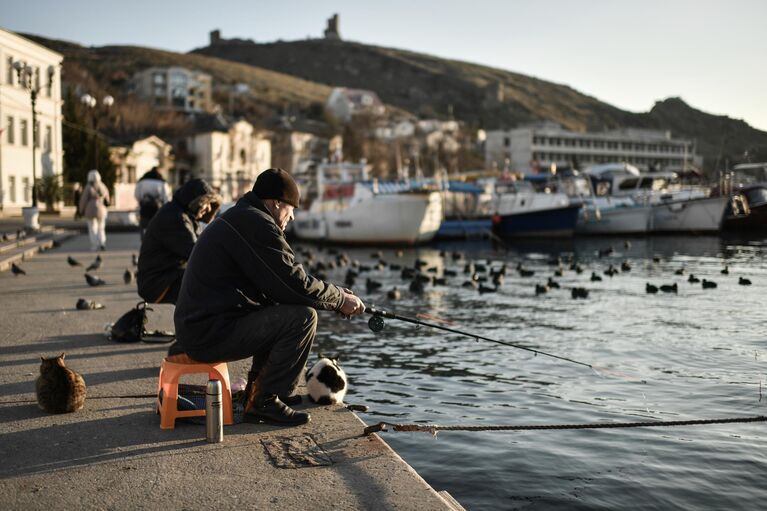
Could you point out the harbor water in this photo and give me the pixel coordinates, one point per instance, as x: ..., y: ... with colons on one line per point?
x: 696, y: 354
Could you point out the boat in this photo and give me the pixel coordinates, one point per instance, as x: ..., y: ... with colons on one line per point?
x: 347, y: 207
x: 603, y: 214
x: 674, y: 208
x: 467, y: 210
x: 521, y: 211
x: 747, y: 210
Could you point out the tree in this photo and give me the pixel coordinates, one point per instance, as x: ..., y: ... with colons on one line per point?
x: 84, y: 147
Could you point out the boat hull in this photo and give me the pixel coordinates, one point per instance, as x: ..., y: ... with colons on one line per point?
x: 544, y: 223
x: 474, y: 228
x: 755, y: 221
x: 615, y: 220
x: 402, y: 219
x: 695, y: 215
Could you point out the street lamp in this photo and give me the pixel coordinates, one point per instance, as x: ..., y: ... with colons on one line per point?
x: 91, y: 102
x: 24, y: 73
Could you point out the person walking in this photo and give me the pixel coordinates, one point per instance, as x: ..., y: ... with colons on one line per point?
x: 152, y: 192
x: 244, y: 295
x: 93, y: 206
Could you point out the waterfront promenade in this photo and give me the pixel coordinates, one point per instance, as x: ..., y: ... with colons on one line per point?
x: 113, y: 454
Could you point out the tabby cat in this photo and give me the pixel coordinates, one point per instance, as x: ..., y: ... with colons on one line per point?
x: 59, y: 389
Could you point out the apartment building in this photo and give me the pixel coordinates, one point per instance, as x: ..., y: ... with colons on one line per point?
x: 175, y: 88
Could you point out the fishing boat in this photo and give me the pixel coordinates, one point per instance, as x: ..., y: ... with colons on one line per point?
x: 603, y: 214
x: 674, y: 208
x: 521, y: 211
x: 350, y: 208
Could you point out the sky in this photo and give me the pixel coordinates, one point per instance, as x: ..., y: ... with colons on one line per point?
x: 626, y: 53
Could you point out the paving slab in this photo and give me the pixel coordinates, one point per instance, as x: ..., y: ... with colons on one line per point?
x: 113, y: 454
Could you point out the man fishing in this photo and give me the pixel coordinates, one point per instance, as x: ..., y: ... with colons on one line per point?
x: 243, y: 294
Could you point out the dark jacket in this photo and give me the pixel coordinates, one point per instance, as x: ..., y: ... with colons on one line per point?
x: 168, y: 242
x: 242, y: 262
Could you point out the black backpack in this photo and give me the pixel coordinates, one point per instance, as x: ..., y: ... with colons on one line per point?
x: 149, y: 206
x: 131, y: 327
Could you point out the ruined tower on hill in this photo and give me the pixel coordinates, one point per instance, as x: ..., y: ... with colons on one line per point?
x: 331, y: 32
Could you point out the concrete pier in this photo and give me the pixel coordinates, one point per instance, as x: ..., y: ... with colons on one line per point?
x: 113, y: 454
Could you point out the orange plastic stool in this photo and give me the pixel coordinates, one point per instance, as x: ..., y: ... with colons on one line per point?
x: 171, y: 370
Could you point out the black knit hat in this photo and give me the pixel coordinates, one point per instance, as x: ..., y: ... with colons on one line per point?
x: 277, y: 184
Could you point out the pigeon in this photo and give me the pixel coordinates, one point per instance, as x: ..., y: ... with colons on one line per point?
x: 88, y: 305
x: 595, y: 277
x: 72, y: 261
x: 394, y: 294
x: 128, y: 276
x: 650, y: 289
x: 692, y: 279
x: 579, y: 292
x: 669, y: 289
x: 95, y: 265
x: 708, y: 284
x: 93, y: 280
x: 744, y: 282
x: 16, y: 270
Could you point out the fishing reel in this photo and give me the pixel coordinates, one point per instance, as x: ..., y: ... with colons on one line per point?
x: 376, y: 323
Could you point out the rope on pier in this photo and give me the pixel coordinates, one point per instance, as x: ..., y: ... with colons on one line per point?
x: 435, y: 428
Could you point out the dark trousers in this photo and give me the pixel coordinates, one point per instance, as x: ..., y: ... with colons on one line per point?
x: 279, y: 339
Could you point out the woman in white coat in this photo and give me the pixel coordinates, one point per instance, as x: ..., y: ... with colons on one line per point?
x: 93, y: 206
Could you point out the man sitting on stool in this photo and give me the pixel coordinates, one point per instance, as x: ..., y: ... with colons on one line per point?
x: 244, y: 295
x: 169, y: 239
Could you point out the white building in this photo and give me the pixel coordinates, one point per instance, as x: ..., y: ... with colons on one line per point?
x: 345, y: 103
x: 230, y: 160
x: 133, y: 161
x: 17, y: 134
x: 532, y: 148
x: 175, y: 87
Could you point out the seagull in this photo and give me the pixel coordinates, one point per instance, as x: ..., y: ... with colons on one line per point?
x: 17, y: 270
x: 94, y: 280
x: 95, y: 265
x: 72, y: 261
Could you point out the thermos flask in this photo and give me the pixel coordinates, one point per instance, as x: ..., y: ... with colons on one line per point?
x: 214, y: 413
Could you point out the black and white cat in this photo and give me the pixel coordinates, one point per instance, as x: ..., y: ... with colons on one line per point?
x: 326, y: 382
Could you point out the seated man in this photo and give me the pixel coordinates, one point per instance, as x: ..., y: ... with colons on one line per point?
x: 169, y: 240
x: 244, y: 295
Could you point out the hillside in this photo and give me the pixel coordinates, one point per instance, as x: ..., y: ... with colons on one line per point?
x: 483, y: 96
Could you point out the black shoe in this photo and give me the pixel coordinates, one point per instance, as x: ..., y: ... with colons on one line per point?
x: 291, y: 400
x: 271, y: 409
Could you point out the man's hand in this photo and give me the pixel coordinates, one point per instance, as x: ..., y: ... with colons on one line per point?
x: 351, y: 306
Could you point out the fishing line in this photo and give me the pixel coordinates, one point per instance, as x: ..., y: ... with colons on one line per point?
x: 376, y: 324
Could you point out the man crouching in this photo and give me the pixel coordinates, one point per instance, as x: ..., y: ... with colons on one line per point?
x: 243, y: 294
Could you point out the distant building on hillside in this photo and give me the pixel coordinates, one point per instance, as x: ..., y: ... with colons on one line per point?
x: 133, y: 160
x: 175, y: 88
x: 228, y: 157
x: 534, y: 148
x: 18, y: 135
x: 345, y: 103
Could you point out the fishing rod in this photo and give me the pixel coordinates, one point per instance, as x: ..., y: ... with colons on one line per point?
x: 376, y: 324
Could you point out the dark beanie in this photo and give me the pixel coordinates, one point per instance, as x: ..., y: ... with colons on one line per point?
x: 277, y: 184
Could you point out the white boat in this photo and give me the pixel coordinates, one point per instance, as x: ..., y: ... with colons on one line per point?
x: 365, y: 212
x: 674, y: 209
x: 604, y: 214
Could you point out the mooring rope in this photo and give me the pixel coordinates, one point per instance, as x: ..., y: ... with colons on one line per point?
x: 435, y: 428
